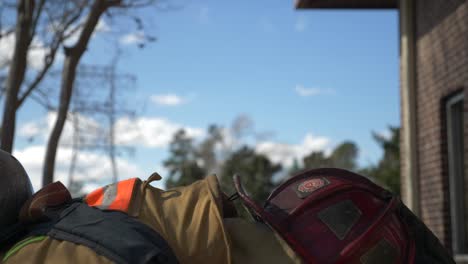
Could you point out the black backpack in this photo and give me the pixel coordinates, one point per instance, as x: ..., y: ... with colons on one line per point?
x: 113, y: 234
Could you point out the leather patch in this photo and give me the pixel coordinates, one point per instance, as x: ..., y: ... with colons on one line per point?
x: 305, y: 188
x: 382, y: 253
x: 53, y: 194
x: 340, y: 217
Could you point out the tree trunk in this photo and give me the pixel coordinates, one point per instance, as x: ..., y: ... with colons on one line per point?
x: 16, y: 72
x: 72, y: 58
x: 66, y: 89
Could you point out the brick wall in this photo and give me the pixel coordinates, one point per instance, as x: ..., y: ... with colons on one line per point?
x: 441, y: 70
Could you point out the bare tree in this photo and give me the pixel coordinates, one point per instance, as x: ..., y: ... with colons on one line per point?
x: 73, y: 55
x: 17, y: 70
x: 33, y: 17
x: 50, y: 25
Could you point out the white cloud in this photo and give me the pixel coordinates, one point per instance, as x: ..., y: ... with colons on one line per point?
x: 150, y: 132
x: 286, y: 153
x: 102, y: 26
x: 95, y: 169
x: 142, y: 131
x: 305, y: 92
x: 92, y: 130
x: 167, y: 99
x: 36, y: 53
x: 133, y: 38
x: 385, y: 133
x: 301, y: 24
x: 92, y: 167
x: 30, y: 129
x: 7, y: 44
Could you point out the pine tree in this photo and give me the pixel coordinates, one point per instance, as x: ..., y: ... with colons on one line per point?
x: 387, y: 171
x: 256, y: 172
x: 344, y: 156
x: 182, y: 165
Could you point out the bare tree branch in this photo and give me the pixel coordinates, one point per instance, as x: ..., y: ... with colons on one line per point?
x: 16, y: 72
x: 23, y: 43
x: 36, y: 16
x: 72, y: 58
x: 49, y: 58
x: 43, y: 100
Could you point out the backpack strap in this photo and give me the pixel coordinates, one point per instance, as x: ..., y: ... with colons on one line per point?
x: 112, y: 234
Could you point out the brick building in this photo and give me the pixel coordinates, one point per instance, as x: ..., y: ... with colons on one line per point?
x: 433, y: 84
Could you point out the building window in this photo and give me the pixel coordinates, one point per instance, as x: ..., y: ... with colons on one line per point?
x: 456, y: 171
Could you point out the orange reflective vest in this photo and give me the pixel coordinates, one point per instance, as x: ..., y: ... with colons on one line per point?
x: 116, y: 196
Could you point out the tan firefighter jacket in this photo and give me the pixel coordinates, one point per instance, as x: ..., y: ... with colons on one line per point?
x: 189, y: 218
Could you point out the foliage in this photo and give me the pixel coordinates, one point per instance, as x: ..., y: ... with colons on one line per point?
x: 182, y: 165
x: 207, y: 150
x: 387, y: 170
x: 295, y: 168
x: 256, y: 172
x: 343, y: 156
x: 189, y: 162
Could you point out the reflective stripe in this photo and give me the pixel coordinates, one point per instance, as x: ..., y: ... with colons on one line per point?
x: 109, y: 195
x: 124, y: 195
x: 95, y: 197
x: 115, y: 196
x: 21, y: 245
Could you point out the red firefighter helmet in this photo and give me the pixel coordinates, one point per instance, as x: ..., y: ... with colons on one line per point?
x: 336, y: 216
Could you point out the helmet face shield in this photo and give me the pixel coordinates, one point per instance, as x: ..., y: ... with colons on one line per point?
x: 336, y: 216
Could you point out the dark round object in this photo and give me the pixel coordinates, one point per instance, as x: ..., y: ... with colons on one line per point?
x: 15, y: 189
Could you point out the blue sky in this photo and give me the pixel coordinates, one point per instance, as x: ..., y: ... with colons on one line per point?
x: 329, y: 74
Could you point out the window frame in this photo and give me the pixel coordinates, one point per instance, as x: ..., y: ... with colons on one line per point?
x: 456, y: 173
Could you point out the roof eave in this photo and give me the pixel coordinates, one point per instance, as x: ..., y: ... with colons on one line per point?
x: 346, y: 4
